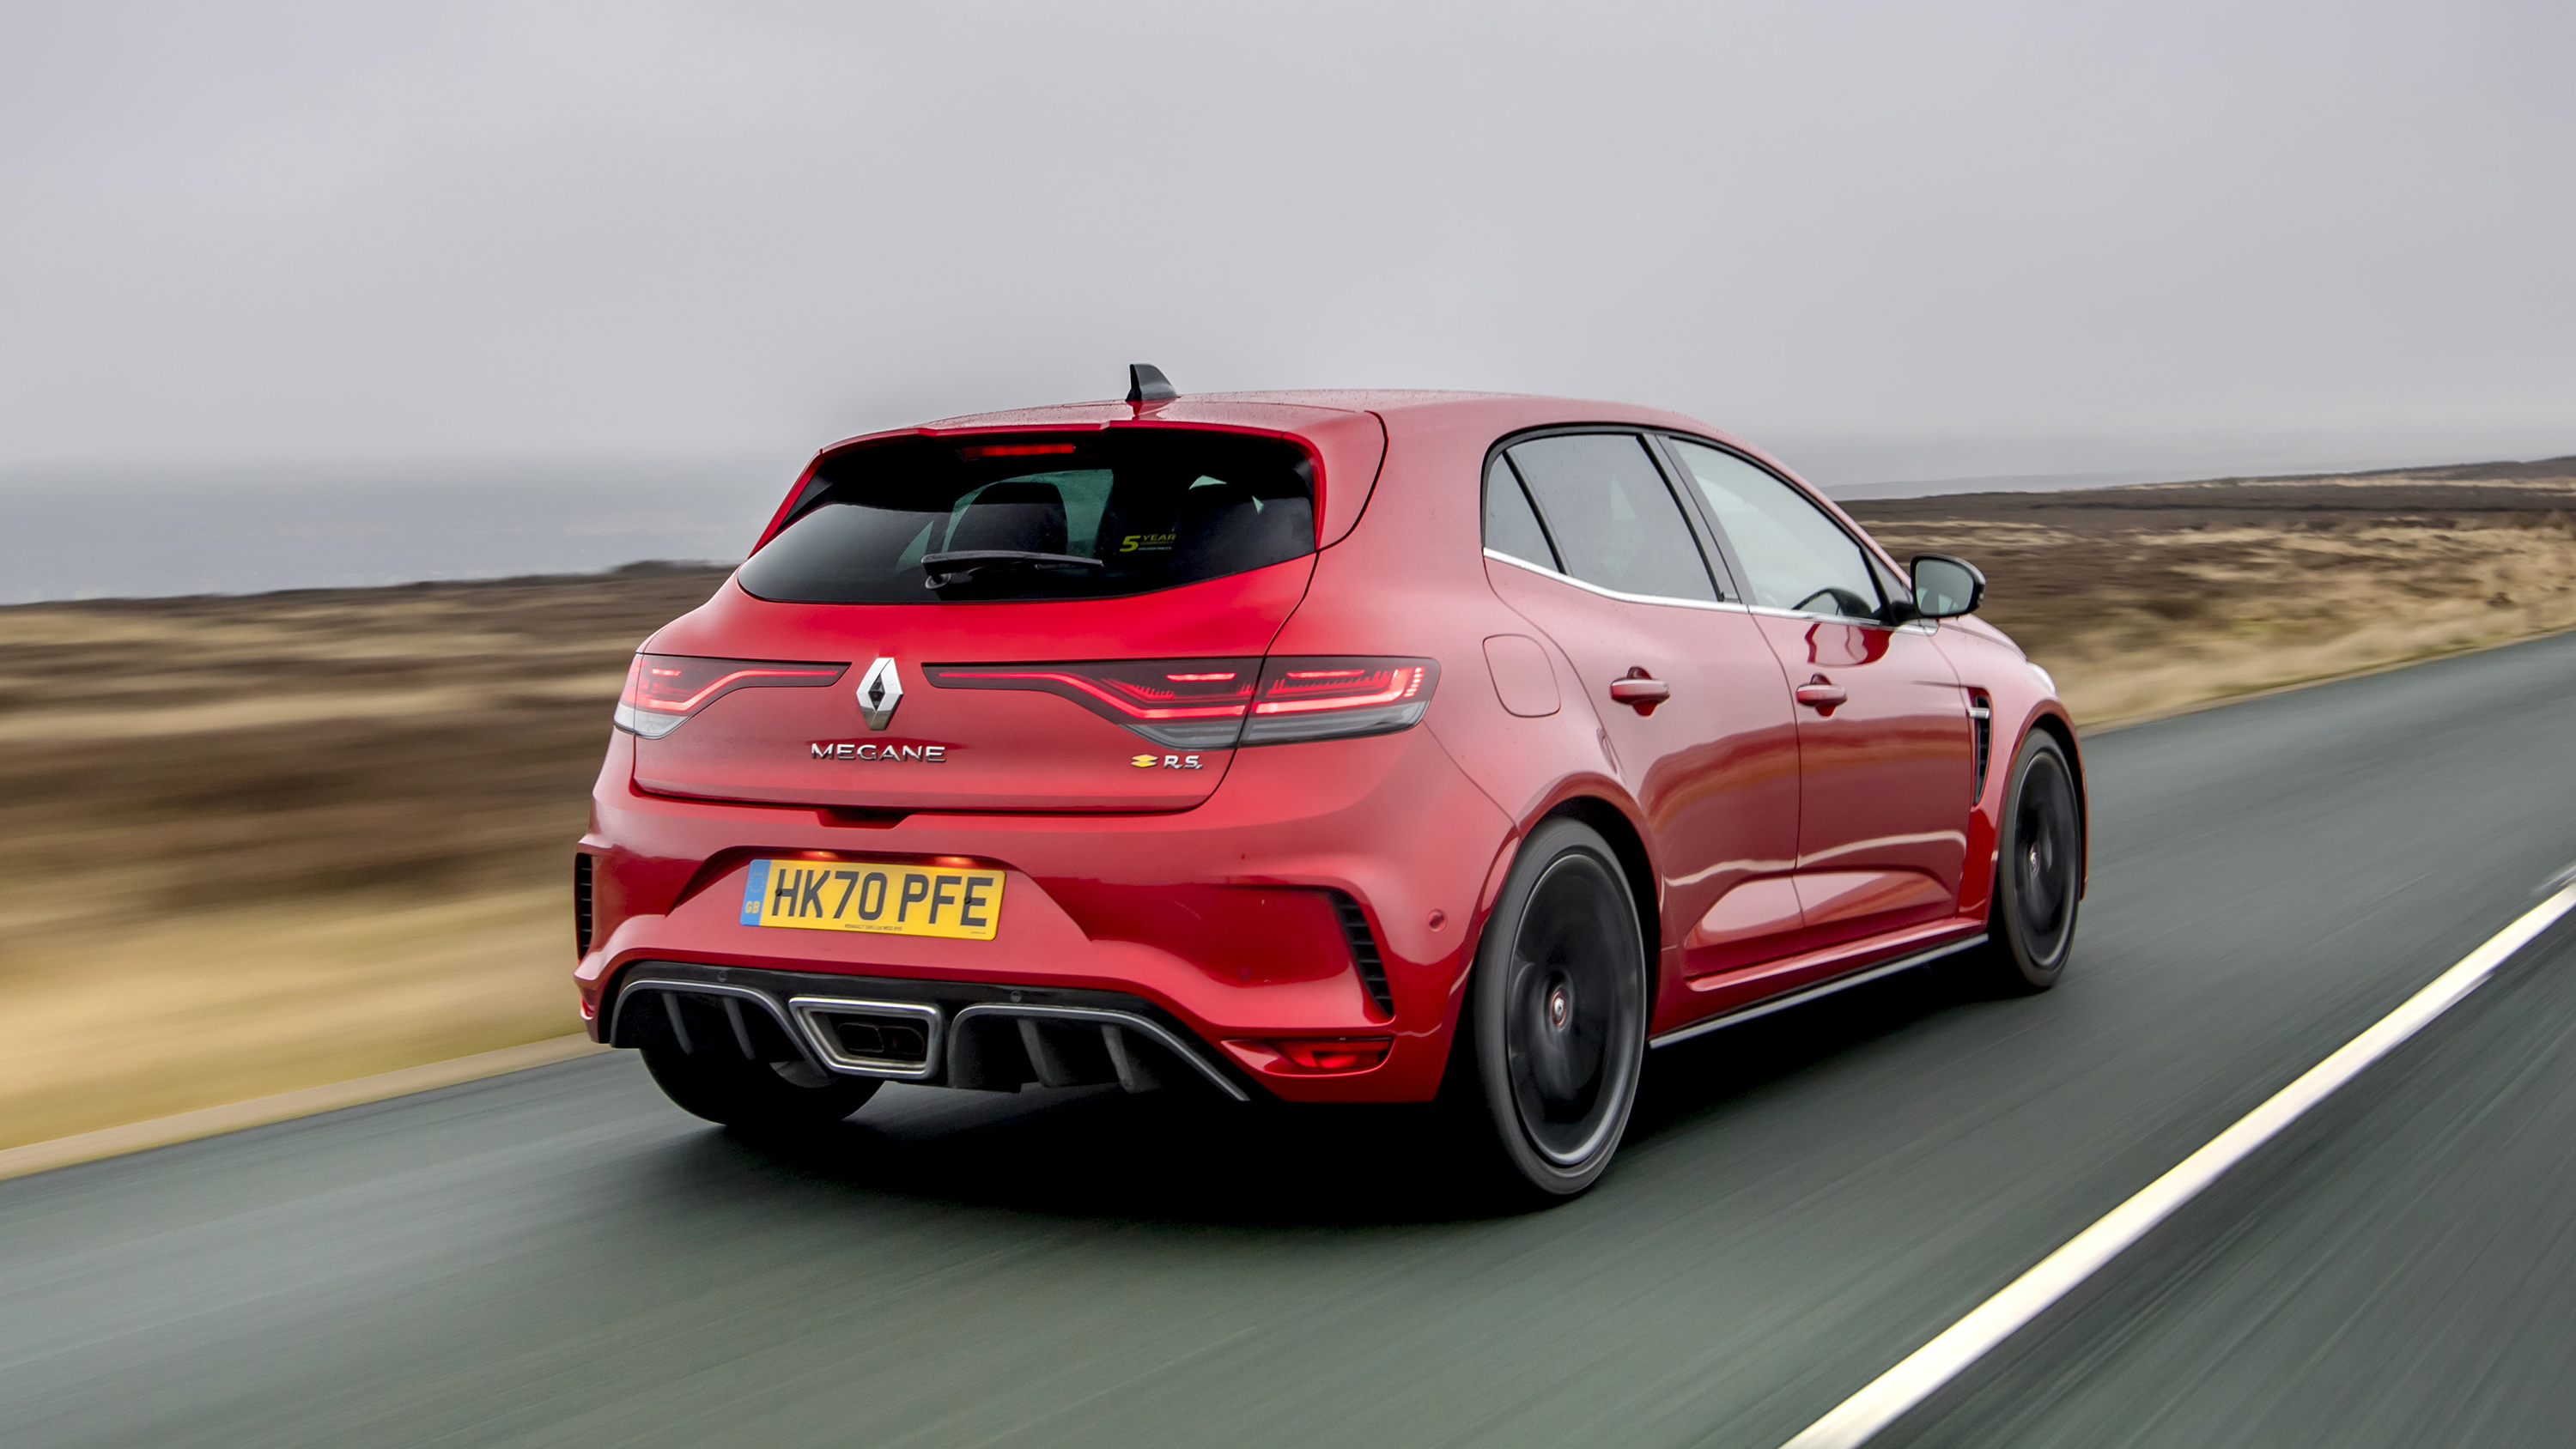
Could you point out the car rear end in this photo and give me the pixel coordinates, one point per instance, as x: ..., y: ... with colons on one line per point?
x: 987, y: 769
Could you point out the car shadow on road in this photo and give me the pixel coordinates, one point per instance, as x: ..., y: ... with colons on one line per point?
x: 1100, y: 1153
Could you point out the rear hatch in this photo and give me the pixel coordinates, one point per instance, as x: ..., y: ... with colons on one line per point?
x: 1064, y: 620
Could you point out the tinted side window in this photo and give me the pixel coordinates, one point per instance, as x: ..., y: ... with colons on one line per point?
x: 1794, y: 556
x: 1614, y: 522
x: 1510, y: 526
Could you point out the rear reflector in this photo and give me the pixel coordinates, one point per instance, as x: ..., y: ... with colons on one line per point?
x: 1311, y: 1056
x: 664, y: 689
x: 1208, y: 704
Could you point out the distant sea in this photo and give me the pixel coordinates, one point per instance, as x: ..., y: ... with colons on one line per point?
x: 97, y: 532
x: 108, y: 533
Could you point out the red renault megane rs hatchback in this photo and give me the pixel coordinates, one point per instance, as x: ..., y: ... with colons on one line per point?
x: 1320, y: 747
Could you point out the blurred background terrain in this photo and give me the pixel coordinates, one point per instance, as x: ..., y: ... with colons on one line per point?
x: 255, y: 843
x: 2147, y: 599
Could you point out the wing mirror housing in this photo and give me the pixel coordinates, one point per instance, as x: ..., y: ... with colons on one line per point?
x: 1946, y: 587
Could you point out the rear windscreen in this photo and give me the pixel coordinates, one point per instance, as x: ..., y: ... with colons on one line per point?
x: 1038, y: 516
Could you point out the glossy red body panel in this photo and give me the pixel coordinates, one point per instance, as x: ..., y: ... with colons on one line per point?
x: 1185, y: 909
x: 1206, y: 896
x: 1004, y: 750
x: 1713, y: 768
x: 1887, y: 775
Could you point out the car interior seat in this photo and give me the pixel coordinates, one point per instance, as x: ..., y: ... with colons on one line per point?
x: 1018, y: 513
x: 1223, y: 527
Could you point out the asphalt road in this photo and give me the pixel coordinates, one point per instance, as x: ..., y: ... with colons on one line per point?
x: 558, y: 1257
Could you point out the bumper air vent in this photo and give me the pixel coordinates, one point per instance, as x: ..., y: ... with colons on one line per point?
x: 969, y: 1039
x: 996, y: 1046
x: 1981, y: 716
x: 581, y: 868
x: 1364, y: 952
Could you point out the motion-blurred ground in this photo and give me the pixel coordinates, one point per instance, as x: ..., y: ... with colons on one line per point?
x: 253, y: 844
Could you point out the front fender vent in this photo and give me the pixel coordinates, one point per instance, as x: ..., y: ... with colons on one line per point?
x: 1364, y: 952
x: 1981, y: 717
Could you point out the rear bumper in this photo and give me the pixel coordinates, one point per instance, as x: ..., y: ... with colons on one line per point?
x: 1228, y: 925
x: 955, y: 1034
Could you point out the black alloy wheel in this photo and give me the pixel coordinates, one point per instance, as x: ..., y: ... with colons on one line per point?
x: 2039, y: 870
x: 719, y: 1083
x: 1558, y: 1013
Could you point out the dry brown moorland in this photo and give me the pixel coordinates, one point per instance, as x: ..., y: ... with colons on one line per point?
x: 2149, y: 599
x: 254, y: 844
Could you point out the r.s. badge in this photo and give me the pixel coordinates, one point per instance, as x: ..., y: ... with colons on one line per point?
x: 1167, y: 762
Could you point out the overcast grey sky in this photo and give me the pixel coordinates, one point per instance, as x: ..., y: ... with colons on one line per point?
x: 327, y: 231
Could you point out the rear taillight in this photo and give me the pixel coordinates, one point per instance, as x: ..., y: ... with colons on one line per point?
x: 1188, y: 704
x: 664, y: 689
x: 1208, y: 704
x: 1329, y: 699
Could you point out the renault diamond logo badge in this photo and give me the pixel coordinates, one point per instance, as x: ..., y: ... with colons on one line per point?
x: 879, y: 692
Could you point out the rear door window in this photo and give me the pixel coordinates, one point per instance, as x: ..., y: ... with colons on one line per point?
x: 1610, y: 515
x: 1038, y: 516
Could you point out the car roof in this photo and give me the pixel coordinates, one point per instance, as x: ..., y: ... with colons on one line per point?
x: 1282, y: 411
x: 1399, y: 410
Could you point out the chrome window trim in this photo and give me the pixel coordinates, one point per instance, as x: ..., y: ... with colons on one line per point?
x: 1104, y: 1016
x: 804, y: 1008
x: 1804, y: 995
x: 1778, y: 613
x: 1724, y: 606
x: 1919, y: 626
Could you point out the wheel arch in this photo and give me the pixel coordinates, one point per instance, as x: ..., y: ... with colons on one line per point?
x: 1613, y: 825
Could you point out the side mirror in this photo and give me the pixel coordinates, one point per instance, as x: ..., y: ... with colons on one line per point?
x: 1946, y: 587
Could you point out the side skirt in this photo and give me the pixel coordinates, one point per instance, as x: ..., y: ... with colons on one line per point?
x: 1803, y: 995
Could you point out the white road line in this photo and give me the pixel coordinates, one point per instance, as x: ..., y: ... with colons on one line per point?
x: 1926, y: 1369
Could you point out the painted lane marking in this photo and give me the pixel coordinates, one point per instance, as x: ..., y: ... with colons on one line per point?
x: 1925, y: 1370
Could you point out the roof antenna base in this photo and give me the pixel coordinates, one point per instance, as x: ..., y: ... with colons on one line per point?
x: 1146, y: 384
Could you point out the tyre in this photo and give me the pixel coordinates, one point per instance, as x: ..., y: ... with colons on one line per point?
x: 2039, y: 871
x: 1556, y: 1017
x: 721, y: 1085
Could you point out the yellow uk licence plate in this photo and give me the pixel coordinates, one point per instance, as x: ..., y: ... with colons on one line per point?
x: 884, y: 897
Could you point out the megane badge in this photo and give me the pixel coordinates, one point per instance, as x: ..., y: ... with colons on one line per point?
x: 879, y: 692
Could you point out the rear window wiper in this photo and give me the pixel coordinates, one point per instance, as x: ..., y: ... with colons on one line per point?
x: 948, y: 568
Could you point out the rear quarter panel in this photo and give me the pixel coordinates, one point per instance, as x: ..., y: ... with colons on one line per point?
x: 1410, y: 579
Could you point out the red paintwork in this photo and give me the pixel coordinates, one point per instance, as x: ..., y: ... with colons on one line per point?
x: 1780, y: 844
x: 1007, y: 749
